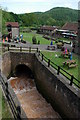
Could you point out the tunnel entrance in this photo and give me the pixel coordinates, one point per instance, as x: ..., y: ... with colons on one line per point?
x: 23, y: 70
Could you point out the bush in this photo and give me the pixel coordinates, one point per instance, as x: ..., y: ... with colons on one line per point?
x: 34, y: 41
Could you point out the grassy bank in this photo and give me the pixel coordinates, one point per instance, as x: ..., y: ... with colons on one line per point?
x: 59, y: 61
x: 4, y: 108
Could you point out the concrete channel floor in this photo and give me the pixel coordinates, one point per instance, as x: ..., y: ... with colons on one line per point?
x: 33, y: 104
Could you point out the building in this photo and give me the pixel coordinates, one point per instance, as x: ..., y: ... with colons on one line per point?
x: 71, y: 26
x: 13, y: 29
x: 69, y: 30
x: 48, y: 30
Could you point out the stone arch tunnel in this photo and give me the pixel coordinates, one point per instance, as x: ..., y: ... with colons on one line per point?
x: 23, y: 70
x: 54, y: 88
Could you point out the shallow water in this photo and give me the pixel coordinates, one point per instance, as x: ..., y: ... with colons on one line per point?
x: 34, y: 105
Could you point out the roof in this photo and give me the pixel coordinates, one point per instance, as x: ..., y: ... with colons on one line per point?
x: 70, y: 26
x: 48, y: 27
x: 13, y: 24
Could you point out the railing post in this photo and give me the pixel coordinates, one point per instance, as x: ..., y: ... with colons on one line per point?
x: 37, y: 49
x: 8, y: 47
x: 18, y: 113
x: 29, y: 49
x: 7, y: 92
x: 58, y: 70
x: 42, y: 57
x: 38, y: 53
x: 20, y: 49
x: 48, y: 62
x: 71, y: 80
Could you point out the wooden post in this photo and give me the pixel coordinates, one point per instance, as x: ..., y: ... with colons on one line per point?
x: 8, y: 47
x: 42, y: 57
x: 20, y: 49
x: 7, y: 92
x: 48, y: 62
x: 38, y: 53
x: 29, y: 49
x: 18, y: 112
x: 37, y: 49
x: 58, y: 70
x: 71, y: 80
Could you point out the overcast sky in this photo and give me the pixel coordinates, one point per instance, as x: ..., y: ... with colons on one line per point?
x: 27, y: 6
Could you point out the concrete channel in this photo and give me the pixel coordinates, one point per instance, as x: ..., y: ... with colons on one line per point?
x: 32, y: 102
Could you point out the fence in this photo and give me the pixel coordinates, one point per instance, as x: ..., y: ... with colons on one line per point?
x: 59, y: 69
x: 16, y: 110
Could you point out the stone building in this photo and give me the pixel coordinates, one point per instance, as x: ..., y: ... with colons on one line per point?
x: 13, y: 29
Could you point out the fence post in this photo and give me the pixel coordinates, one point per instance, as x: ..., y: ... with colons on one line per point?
x: 29, y: 49
x: 42, y: 57
x: 38, y: 53
x: 8, y: 47
x: 71, y: 80
x: 37, y: 49
x: 7, y: 92
x: 18, y: 113
x: 58, y: 70
x: 20, y: 49
x: 48, y: 62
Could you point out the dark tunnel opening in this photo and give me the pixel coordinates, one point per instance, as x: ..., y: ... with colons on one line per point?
x: 23, y: 70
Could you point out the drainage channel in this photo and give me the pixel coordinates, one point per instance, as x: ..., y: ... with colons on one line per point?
x: 32, y: 102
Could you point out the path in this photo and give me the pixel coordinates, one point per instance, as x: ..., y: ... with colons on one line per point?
x: 34, y: 105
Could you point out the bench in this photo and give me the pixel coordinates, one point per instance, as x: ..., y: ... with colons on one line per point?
x: 72, y: 65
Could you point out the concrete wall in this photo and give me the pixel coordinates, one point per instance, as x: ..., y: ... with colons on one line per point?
x: 56, y: 89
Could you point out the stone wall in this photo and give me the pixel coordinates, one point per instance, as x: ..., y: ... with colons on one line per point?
x: 6, y: 64
x: 22, y: 58
x: 63, y: 97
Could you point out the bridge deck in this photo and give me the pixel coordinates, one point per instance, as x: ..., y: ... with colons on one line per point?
x: 34, y: 105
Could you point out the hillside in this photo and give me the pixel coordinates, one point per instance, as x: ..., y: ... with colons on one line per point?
x: 56, y: 16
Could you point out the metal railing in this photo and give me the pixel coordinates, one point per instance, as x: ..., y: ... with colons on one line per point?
x: 16, y: 110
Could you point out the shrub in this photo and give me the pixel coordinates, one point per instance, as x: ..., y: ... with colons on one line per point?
x: 34, y: 41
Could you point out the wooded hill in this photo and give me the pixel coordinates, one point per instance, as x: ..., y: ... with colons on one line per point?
x: 56, y: 16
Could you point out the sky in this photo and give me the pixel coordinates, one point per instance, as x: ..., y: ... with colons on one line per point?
x: 27, y: 6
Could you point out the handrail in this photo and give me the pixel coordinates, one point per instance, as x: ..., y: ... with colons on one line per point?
x: 16, y: 110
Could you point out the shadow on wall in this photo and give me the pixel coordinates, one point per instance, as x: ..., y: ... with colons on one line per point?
x: 23, y: 70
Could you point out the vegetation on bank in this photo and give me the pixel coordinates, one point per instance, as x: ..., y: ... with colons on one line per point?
x: 4, y: 109
x: 57, y: 16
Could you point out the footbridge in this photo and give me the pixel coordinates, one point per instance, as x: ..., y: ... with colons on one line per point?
x: 58, y: 91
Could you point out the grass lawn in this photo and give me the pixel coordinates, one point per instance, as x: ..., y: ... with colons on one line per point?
x: 59, y: 61
x: 28, y: 37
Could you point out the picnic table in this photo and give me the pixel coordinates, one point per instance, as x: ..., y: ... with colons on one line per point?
x: 70, y: 63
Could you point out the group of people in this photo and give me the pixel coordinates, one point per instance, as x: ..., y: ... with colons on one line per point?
x: 66, y: 52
